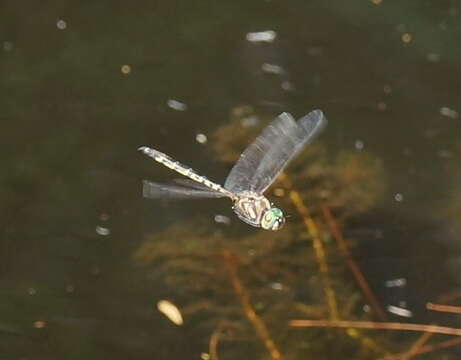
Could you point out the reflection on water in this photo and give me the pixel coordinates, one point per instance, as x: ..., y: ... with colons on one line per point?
x: 85, y: 261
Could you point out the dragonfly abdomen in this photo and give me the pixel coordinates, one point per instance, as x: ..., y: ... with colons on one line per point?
x: 182, y: 169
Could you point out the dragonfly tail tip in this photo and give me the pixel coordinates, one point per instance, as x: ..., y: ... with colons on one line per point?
x: 143, y: 149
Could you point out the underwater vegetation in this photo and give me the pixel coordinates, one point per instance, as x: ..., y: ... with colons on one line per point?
x: 243, y: 288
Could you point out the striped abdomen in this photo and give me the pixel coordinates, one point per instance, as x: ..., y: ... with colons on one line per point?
x: 183, y: 170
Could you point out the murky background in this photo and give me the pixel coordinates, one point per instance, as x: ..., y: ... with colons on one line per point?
x: 85, y: 259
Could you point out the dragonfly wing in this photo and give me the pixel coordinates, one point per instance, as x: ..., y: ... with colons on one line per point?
x: 188, y: 183
x: 272, y: 150
x: 153, y: 190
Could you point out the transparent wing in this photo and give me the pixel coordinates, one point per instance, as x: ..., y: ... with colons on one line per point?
x: 153, y: 190
x: 268, y: 155
x: 188, y: 183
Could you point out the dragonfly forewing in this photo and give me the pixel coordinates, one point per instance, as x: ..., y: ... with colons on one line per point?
x: 271, y: 152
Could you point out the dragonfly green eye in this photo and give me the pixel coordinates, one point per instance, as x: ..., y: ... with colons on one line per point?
x: 273, y: 219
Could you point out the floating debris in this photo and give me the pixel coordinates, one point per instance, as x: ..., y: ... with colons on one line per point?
x: 7, y: 46
x: 126, y: 69
x: 448, y: 112
x: 399, y: 311
x: 445, y: 154
x: 103, y: 231
x: 272, y: 69
x: 433, y: 57
x: 315, y: 51
x: 170, y: 311
x: 287, y: 86
x: 61, y: 24
x: 250, y: 121
x: 277, y: 286
x: 382, y: 106
x: 104, y: 217
x: 201, y: 138
x: 39, y: 324
x: 222, y: 219
x: 400, y: 282
x: 359, y: 145
x: 406, y: 38
x: 398, y: 197
x: 31, y: 291
x: 262, y: 36
x: 176, y: 105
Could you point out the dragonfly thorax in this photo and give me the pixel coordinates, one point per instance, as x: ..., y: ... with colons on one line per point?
x: 257, y: 211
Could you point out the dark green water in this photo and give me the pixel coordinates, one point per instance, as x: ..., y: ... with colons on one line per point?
x: 387, y: 76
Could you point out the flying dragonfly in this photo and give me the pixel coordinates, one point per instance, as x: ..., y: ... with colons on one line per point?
x: 257, y: 168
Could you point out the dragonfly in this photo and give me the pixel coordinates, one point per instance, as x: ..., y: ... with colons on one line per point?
x: 256, y: 169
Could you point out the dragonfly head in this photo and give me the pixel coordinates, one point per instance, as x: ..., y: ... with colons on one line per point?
x: 273, y: 219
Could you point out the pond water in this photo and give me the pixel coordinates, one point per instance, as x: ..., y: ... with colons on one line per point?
x: 85, y: 259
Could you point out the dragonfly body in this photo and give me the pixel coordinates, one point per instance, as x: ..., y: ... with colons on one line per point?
x: 251, y: 207
x: 253, y: 173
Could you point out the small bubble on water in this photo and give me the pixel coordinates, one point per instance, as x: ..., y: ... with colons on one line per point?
x: 399, y: 311
x: 103, y: 231
x: 272, y: 69
x: 359, y: 145
x: 448, y: 112
x: 277, y: 286
x: 406, y: 38
x: 287, y: 86
x: 104, y: 217
x: 250, y: 121
x: 433, y: 57
x: 382, y: 106
x: 387, y: 89
x: 315, y: 51
x: 444, y: 154
x: 7, y: 46
x: 221, y: 219
x: 400, y: 282
x: 401, y: 27
x: 279, y: 192
x: 398, y: 197
x: 201, y: 138
x: 261, y: 36
x: 39, y: 324
x: 61, y: 24
x: 31, y: 291
x: 176, y: 105
x: 125, y: 69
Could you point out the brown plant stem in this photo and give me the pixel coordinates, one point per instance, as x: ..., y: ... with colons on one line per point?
x: 444, y: 308
x: 214, y: 340
x: 319, y: 249
x: 253, y: 318
x: 428, y: 348
x: 351, y: 264
x: 377, y: 325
